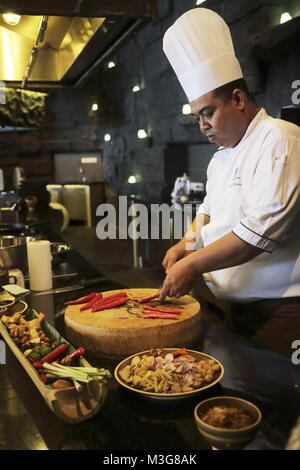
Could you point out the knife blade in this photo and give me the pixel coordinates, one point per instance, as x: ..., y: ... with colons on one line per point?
x: 80, y: 285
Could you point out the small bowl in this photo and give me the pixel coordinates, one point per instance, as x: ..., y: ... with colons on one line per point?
x: 222, y: 438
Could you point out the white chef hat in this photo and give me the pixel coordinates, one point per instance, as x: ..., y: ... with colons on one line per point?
x: 199, y: 48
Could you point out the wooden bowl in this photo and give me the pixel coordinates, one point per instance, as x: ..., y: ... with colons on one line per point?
x: 222, y: 438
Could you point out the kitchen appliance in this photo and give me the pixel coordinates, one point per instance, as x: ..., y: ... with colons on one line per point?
x: 1, y: 180
x: 18, y: 177
x: 181, y: 191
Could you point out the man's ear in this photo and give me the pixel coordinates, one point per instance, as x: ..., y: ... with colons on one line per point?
x: 238, y: 98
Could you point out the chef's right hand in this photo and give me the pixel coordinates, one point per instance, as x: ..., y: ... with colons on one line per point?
x: 174, y: 254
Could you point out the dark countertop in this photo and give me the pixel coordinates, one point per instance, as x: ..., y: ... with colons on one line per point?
x: 129, y: 423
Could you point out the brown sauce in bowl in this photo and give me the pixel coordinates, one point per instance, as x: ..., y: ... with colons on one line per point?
x: 227, y: 417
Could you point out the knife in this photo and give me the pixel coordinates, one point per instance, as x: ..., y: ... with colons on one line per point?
x: 160, y: 287
x: 81, y: 285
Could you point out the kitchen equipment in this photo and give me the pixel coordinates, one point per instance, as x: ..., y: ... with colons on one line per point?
x: 59, y: 252
x: 1, y: 180
x: 13, y: 252
x: 6, y: 278
x: 39, y: 265
x: 181, y: 191
x: 84, y: 283
x: 18, y: 177
x: 18, y: 228
x: 120, y: 331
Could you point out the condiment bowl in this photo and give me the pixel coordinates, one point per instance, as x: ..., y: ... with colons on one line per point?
x: 222, y: 438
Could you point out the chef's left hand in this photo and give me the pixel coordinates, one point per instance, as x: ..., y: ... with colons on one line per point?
x: 180, y: 279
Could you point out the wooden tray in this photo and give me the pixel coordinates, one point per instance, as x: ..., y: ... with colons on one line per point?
x: 68, y: 404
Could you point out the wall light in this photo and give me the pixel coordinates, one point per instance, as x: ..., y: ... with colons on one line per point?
x: 142, y: 134
x: 11, y: 19
x: 107, y: 137
x: 186, y: 109
x: 132, y: 179
x: 95, y: 107
x: 285, y: 17
x: 136, y: 88
x: 111, y: 64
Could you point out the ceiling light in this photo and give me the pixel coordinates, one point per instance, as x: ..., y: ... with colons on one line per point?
x: 198, y: 2
x: 186, y: 109
x: 95, y: 107
x: 285, y: 17
x: 142, y: 134
x: 11, y: 19
x: 111, y: 64
x: 132, y: 179
x: 136, y: 88
x: 107, y: 137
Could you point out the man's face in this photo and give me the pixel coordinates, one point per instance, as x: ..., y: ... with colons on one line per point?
x: 220, y: 121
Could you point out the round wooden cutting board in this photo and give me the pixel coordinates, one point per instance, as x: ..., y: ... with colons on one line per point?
x: 120, y: 331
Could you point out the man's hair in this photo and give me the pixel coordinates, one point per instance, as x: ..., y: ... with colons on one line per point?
x: 225, y: 92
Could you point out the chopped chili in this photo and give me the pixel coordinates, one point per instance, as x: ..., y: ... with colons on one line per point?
x: 82, y: 300
x: 115, y: 303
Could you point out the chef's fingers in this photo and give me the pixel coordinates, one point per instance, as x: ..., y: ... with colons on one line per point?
x: 165, y: 292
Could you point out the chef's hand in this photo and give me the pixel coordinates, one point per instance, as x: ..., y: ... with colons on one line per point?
x: 174, y: 254
x: 180, y: 279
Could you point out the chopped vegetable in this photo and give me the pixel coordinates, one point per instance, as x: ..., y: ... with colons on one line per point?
x: 80, y: 374
x: 115, y: 303
x: 168, y: 374
x: 151, y: 297
x: 157, y: 309
x: 91, y: 302
x: 82, y: 300
x: 67, y: 360
x: 113, y: 297
x: 167, y: 316
x: 51, y: 356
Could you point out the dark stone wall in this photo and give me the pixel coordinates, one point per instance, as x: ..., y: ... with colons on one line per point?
x: 157, y: 107
x: 69, y: 125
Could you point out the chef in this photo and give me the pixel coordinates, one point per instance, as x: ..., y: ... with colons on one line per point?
x: 245, y: 239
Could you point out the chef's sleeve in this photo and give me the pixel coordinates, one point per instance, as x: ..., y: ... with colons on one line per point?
x: 273, y: 201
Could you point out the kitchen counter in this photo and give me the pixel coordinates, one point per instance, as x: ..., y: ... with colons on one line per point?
x: 129, y: 423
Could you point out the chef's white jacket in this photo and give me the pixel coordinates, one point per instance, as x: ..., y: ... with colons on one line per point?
x: 253, y: 190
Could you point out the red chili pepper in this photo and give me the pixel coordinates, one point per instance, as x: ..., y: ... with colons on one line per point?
x: 82, y: 300
x: 67, y: 360
x: 51, y: 356
x: 44, y: 378
x: 154, y: 309
x: 111, y: 298
x: 146, y: 299
x: 114, y: 303
x: 91, y: 302
x: 159, y: 315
